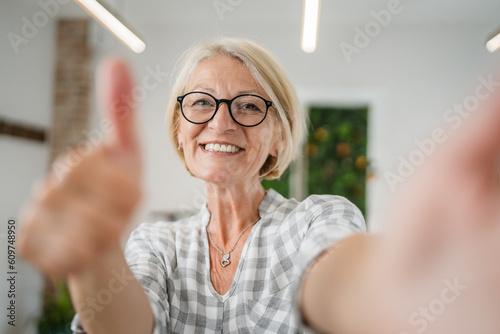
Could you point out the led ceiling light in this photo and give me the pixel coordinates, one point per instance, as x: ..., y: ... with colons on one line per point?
x: 310, y: 25
x: 493, y: 44
x: 110, y: 22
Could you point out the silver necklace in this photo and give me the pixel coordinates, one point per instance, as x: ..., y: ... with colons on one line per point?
x: 225, y: 256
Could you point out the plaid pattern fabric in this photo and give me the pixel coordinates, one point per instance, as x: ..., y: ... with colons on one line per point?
x: 171, y: 261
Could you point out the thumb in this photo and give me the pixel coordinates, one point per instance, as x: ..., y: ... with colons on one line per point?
x: 115, y: 91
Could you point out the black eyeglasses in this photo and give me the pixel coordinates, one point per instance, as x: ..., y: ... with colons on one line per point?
x: 246, y: 110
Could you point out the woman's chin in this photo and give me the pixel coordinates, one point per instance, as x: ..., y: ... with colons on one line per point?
x: 218, y: 177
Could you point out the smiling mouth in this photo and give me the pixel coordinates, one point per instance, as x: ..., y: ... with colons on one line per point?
x: 223, y: 148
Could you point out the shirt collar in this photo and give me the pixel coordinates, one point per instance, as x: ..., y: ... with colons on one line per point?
x: 271, y: 201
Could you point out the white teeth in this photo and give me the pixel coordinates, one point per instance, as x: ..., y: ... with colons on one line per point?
x: 221, y: 148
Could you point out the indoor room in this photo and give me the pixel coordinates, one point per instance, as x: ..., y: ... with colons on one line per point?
x: 371, y: 115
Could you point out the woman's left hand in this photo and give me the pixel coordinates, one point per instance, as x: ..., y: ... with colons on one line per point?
x: 436, y: 267
x: 441, y: 261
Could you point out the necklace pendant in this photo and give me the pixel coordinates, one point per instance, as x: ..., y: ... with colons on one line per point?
x: 225, y: 260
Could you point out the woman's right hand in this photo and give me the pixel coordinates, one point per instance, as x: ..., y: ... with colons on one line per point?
x: 70, y: 221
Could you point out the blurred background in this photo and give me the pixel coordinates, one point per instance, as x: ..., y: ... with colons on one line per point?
x: 376, y: 88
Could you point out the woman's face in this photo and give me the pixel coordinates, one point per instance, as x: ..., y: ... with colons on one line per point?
x: 225, y: 78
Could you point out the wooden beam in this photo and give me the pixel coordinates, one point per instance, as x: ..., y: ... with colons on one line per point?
x: 20, y: 130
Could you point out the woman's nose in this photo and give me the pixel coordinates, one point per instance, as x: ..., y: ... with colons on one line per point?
x: 222, y: 120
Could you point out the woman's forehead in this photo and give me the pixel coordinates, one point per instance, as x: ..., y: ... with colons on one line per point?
x: 224, y: 74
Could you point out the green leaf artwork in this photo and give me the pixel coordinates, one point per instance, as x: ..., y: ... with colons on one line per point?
x: 336, y: 154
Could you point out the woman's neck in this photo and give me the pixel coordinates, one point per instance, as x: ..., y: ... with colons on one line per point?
x: 233, y: 208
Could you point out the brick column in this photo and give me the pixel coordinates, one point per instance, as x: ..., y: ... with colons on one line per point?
x: 72, y: 85
x: 70, y: 117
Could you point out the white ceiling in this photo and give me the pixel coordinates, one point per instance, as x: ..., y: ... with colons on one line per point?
x: 284, y: 11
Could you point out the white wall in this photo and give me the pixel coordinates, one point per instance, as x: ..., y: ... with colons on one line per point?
x: 26, y: 79
x: 410, y: 74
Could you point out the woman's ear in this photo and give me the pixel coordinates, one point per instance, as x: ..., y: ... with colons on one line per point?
x: 278, y: 145
x: 179, y: 141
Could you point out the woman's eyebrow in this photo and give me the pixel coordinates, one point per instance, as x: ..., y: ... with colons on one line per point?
x: 252, y: 91
x: 202, y: 88
x: 210, y: 90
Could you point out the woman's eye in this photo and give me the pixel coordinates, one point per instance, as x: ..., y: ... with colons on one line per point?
x: 250, y: 106
x: 202, y: 103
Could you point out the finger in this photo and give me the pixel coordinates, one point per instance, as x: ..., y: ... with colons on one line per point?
x: 454, y: 192
x: 464, y: 172
x: 107, y: 189
x: 119, y: 106
x: 476, y: 147
x: 85, y: 207
x: 55, y: 262
x: 69, y: 246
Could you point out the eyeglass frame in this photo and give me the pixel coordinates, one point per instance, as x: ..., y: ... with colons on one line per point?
x: 228, y: 102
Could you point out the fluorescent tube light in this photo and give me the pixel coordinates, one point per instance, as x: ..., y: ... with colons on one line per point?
x: 103, y: 16
x: 493, y: 44
x: 310, y: 25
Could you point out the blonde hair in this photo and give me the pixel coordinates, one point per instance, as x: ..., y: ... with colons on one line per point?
x: 290, y: 122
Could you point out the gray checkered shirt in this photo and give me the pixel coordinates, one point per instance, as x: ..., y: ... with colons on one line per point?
x: 171, y: 261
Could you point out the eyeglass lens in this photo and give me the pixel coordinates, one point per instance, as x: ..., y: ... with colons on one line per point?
x: 246, y: 109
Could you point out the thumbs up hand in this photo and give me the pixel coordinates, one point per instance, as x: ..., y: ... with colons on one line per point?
x: 119, y: 108
x: 71, y: 221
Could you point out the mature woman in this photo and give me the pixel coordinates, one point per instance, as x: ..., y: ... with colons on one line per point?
x: 250, y: 261
x: 235, y: 119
